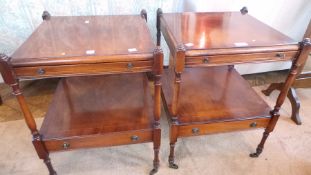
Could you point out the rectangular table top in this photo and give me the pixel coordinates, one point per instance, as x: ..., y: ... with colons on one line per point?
x: 221, y: 30
x: 80, y: 39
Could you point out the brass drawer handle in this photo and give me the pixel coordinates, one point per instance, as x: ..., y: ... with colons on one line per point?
x: 66, y: 145
x: 134, y: 138
x: 130, y: 65
x: 195, y: 130
x: 280, y: 55
x: 41, y: 71
x: 205, y: 60
x: 253, y: 125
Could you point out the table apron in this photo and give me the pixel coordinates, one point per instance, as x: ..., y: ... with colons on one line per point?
x: 210, y: 128
x: 99, y: 140
x: 83, y: 69
x: 216, y: 60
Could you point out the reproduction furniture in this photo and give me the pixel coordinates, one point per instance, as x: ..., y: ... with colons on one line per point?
x: 303, y: 80
x: 202, y: 91
x: 104, y: 97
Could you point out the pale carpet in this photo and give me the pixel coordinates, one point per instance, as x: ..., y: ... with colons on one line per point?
x: 287, y: 151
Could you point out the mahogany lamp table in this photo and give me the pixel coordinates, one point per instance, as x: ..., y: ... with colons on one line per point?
x: 104, y: 98
x: 202, y: 91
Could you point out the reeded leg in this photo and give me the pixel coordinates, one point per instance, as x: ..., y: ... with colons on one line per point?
x: 261, y: 145
x: 293, y: 98
x: 272, y: 87
x: 173, y: 140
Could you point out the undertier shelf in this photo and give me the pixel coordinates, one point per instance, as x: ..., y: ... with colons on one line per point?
x: 213, y: 94
x: 99, y: 105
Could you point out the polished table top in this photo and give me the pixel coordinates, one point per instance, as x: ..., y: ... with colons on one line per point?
x: 68, y: 40
x: 217, y: 30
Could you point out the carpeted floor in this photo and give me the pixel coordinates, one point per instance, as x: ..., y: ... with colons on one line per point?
x: 287, y: 150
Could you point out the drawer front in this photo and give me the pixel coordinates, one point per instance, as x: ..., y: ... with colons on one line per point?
x: 202, y: 129
x: 239, y: 58
x: 83, y: 69
x: 100, y: 140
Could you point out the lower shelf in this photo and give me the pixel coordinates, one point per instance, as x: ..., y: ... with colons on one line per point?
x: 215, y: 95
x: 99, y: 111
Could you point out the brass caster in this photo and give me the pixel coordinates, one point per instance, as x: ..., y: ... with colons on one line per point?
x: 254, y: 155
x: 153, y: 171
x: 173, y: 165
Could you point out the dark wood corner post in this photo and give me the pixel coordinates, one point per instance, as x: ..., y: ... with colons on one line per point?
x: 179, y: 62
x: 159, y: 14
x: 157, y: 73
x: 297, y: 66
x: 10, y: 79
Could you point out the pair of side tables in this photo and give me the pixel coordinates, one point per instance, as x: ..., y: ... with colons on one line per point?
x: 107, y: 63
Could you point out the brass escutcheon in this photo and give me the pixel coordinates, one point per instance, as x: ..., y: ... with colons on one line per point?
x: 195, y: 130
x: 254, y: 124
x: 130, y: 65
x: 66, y: 145
x: 280, y: 55
x: 134, y: 138
x: 41, y: 71
x: 205, y: 60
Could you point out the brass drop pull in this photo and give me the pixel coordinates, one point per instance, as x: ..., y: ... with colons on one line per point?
x: 205, y: 60
x: 134, y: 138
x: 253, y: 125
x: 130, y: 65
x: 66, y: 145
x: 195, y: 130
x: 280, y: 55
x: 41, y: 71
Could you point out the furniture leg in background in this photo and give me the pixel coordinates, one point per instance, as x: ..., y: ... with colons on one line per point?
x: 303, y: 80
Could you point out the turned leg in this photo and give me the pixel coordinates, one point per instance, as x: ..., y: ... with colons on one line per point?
x: 274, y: 118
x: 158, y: 69
x: 261, y: 145
x: 43, y: 153
x: 272, y: 87
x: 294, y: 100
x: 10, y: 79
x: 47, y: 162
x: 156, y: 149
x: 173, y: 140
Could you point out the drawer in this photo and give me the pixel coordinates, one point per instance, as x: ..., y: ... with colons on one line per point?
x: 210, y: 128
x: 239, y: 58
x: 83, y: 69
x: 100, y: 140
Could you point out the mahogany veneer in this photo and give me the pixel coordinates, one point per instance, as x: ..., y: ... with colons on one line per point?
x: 214, y: 95
x: 204, y: 99
x: 119, y: 104
x: 97, y: 110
